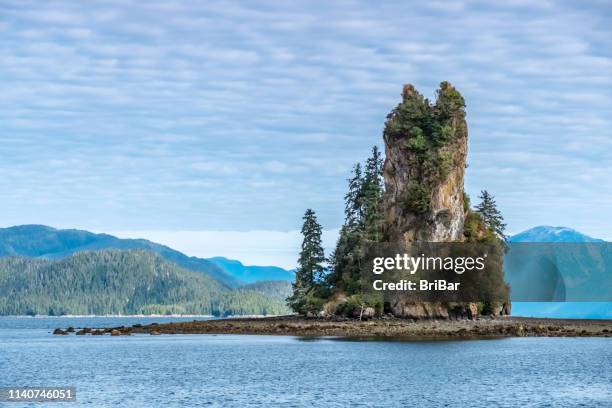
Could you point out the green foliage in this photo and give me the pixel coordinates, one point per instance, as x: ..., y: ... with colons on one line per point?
x: 466, y: 202
x: 372, y: 193
x: 473, y: 226
x: 363, y: 223
x: 310, y: 264
x: 38, y: 240
x: 309, y: 276
x: 412, y: 112
x: 489, y: 307
x: 344, y: 261
x: 476, y: 229
x: 351, y: 306
x: 417, y: 198
x: 119, y: 282
x: 354, y: 199
x: 311, y: 301
x: 445, y: 163
x: 425, y: 130
x: 491, y: 216
x: 449, y: 103
x: 442, y: 134
x: 417, y: 143
x: 426, y: 133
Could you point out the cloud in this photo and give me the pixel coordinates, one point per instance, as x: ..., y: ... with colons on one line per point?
x: 239, y: 115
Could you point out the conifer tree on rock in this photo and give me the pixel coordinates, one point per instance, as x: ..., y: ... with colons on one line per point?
x: 491, y: 216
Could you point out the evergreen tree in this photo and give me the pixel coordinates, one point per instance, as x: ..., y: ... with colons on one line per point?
x: 353, y: 200
x: 363, y: 222
x: 344, y: 261
x: 374, y: 166
x: 341, y: 259
x: 491, y: 216
x: 310, y: 272
x: 373, y: 191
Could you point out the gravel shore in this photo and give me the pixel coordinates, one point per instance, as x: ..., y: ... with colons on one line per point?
x: 386, y: 327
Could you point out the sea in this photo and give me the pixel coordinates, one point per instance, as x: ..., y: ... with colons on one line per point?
x: 262, y: 371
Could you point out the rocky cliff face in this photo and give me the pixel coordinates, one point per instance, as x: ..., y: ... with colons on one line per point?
x: 426, y: 151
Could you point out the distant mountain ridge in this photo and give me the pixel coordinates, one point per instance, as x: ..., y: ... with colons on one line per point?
x: 545, y: 233
x: 40, y: 241
x: 252, y: 274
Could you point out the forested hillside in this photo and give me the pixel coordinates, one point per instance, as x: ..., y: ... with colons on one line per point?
x: 40, y: 241
x: 276, y: 289
x: 119, y: 282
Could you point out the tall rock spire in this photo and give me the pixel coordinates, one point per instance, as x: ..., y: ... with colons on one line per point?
x: 426, y: 152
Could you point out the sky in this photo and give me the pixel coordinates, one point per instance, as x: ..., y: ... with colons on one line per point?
x: 211, y: 126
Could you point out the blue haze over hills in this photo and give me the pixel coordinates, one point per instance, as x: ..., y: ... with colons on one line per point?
x: 252, y: 274
x: 586, y: 310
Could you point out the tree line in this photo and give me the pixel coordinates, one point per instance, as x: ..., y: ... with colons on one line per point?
x: 122, y: 282
x: 319, y: 277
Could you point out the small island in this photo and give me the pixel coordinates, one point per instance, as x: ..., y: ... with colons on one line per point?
x: 412, y: 199
x: 415, y: 195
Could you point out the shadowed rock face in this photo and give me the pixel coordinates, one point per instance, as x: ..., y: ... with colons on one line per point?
x: 426, y: 151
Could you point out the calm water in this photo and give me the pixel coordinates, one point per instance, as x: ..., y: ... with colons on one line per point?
x: 229, y: 370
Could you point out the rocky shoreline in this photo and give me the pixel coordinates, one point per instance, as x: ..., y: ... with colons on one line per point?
x: 379, y: 328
